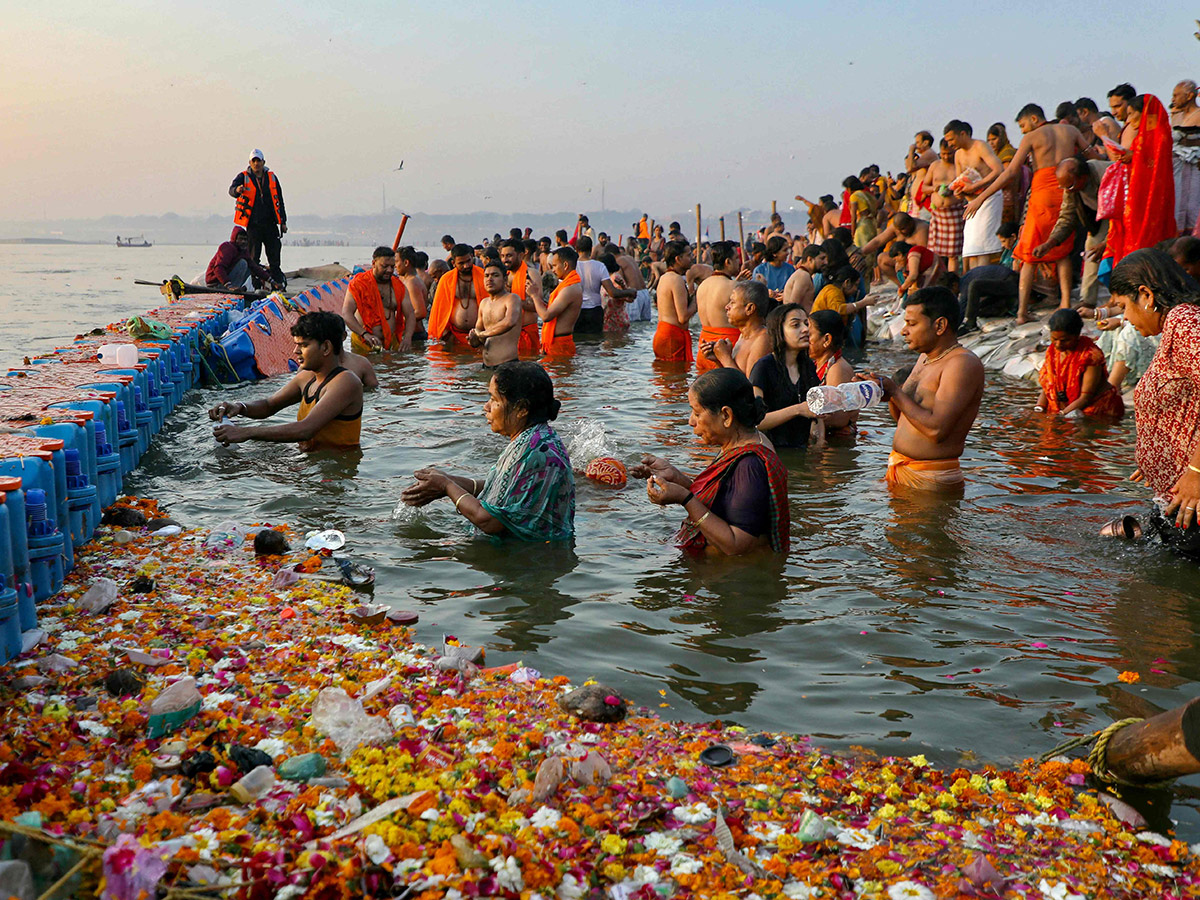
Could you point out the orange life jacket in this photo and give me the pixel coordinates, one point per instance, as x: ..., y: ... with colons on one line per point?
x: 245, y: 200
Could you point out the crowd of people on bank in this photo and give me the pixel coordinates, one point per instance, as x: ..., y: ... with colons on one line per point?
x: 971, y: 228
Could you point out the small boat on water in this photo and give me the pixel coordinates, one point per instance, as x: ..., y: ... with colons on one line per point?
x: 139, y: 241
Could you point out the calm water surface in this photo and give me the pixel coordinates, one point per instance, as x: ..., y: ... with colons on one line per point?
x: 988, y: 627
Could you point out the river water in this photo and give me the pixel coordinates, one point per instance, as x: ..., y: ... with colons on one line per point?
x: 985, y: 628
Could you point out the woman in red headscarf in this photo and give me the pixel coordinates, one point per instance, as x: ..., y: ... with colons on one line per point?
x: 1137, y: 194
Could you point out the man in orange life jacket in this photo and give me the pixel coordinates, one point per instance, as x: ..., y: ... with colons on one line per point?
x: 260, y: 211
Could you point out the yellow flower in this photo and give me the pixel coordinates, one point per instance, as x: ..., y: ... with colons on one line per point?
x: 886, y: 812
x: 998, y: 784
x: 942, y: 817
x: 919, y: 804
x: 978, y: 782
x: 946, y: 801
x: 889, y: 866
x: 854, y: 798
x: 959, y: 786
x: 614, y: 871
x: 919, y: 760
x: 613, y: 844
x: 893, y: 792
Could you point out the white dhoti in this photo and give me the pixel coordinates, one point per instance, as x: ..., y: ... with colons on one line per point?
x: 979, y: 232
x: 642, y: 308
x: 1187, y: 191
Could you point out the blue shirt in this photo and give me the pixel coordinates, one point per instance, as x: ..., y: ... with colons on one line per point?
x: 776, y: 276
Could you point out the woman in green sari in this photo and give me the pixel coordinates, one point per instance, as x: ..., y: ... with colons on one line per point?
x: 529, y: 494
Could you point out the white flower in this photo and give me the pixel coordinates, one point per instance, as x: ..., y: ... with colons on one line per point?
x: 662, y: 843
x: 798, y: 891
x: 377, y: 850
x: 479, y: 747
x: 909, y: 890
x: 431, y: 815
x: 570, y: 888
x: 129, y: 615
x: 766, y: 831
x: 95, y: 728
x: 68, y: 645
x: 1149, y: 837
x: 693, y: 814
x: 273, y: 747
x: 858, y: 838
x: 1161, y: 871
x: 72, y: 635
x: 645, y: 875
x: 406, y: 866
x: 682, y: 864
x: 287, y: 892
x: 545, y: 817
x: 1080, y: 826
x: 50, y: 625
x: 1057, y: 892
x: 508, y: 872
x: 215, y: 699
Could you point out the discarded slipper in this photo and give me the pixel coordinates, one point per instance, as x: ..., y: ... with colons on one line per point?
x: 717, y: 755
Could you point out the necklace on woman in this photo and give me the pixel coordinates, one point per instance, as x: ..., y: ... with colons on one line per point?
x: 930, y: 359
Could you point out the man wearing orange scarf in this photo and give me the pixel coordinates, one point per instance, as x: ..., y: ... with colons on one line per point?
x: 1045, y: 145
x: 711, y: 297
x: 566, y: 300
x: 672, y: 340
x: 456, y: 301
x: 377, y: 310
x: 526, y: 284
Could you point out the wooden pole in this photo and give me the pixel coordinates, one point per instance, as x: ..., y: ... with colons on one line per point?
x: 722, y: 221
x: 697, y: 232
x: 742, y: 239
x: 772, y: 207
x: 1162, y: 747
x: 400, y: 232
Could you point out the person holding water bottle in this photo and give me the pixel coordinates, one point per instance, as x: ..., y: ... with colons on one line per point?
x: 937, y: 405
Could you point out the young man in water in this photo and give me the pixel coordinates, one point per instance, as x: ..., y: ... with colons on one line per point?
x: 525, y: 280
x: 330, y: 395
x: 747, y: 308
x: 937, y: 405
x: 711, y: 298
x: 672, y: 341
x: 408, y: 270
x: 560, y: 313
x: 499, y: 328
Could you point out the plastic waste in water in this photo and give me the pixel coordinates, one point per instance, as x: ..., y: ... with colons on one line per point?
x: 329, y: 539
x: 178, y: 696
x: 100, y: 596
x: 123, y: 355
x: 253, y: 784
x: 853, y: 395
x: 589, y: 441
x: 302, y: 768
x: 226, y: 536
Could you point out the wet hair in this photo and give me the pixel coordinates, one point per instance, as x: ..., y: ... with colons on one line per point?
x: 774, y: 325
x: 675, y: 226
x: 722, y: 253
x: 944, y: 144
x: 493, y: 262
x: 530, y: 245
x: 422, y: 259
x: 997, y: 129
x: 851, y: 183
x: 524, y: 383
x: 926, y: 136
x: 903, y: 221
x: 957, y: 126
x: 610, y: 262
x: 1008, y: 230
x: 1031, y: 109
x: 1186, y: 250
x: 1124, y: 91
x: 460, y: 250
x: 844, y: 274
x: 1067, y: 321
x: 812, y: 251
x: 583, y: 218
x: 1156, y: 271
x: 835, y: 254
x: 830, y: 322
x: 755, y: 292
x: 567, y: 253
x: 758, y: 247
x: 382, y: 252
x: 675, y: 249
x: 408, y: 254
x: 723, y: 387
x: 899, y: 248
x: 544, y: 239
x: 937, y: 303
x: 583, y: 244
x: 321, y: 327
x: 447, y: 239
x: 490, y: 254
x: 513, y: 243
x: 842, y: 235
x: 270, y: 542
x: 1086, y: 103
x: 514, y: 234
x: 561, y: 234
x: 775, y: 243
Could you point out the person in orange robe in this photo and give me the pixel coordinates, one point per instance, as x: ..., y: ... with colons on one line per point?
x: 711, y: 297
x: 1074, y: 377
x: 513, y: 254
x: 370, y: 325
x: 672, y: 340
x: 566, y: 300
x: 441, y: 315
x: 1147, y: 214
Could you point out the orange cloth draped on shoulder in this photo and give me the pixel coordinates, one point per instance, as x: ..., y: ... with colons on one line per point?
x: 365, y: 291
x: 714, y: 334
x: 672, y: 343
x: 1148, y: 215
x: 1062, y: 376
x: 558, y: 344
x: 1041, y: 214
x: 444, y: 300
x: 519, y: 277
x: 528, y: 343
x: 923, y: 474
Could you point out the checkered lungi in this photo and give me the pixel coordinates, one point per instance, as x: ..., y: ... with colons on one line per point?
x: 946, y: 230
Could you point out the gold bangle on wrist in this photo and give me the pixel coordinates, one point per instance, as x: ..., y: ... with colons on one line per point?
x: 700, y: 521
x: 1193, y: 468
x: 459, y: 500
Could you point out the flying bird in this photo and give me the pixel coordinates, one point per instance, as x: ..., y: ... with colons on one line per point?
x: 399, y: 167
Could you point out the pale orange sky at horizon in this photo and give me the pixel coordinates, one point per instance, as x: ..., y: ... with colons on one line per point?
x: 144, y: 108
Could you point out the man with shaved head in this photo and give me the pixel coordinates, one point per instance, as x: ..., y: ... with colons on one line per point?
x: 1185, y: 155
x: 1080, y: 181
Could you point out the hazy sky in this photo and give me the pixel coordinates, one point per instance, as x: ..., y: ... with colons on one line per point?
x: 140, y: 107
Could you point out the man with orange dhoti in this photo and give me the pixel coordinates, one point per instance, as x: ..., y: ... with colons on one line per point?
x: 525, y: 284
x: 1046, y: 145
x: 672, y: 340
x: 562, y: 310
x: 455, y: 308
x: 377, y: 310
x: 711, y: 298
x: 937, y: 405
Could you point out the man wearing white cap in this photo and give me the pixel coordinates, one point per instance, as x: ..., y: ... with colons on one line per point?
x: 260, y: 211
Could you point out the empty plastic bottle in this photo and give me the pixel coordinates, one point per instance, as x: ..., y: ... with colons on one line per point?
x: 824, y: 399
x: 253, y: 784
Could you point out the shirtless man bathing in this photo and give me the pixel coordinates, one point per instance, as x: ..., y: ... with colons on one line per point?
x: 526, y: 282
x: 455, y: 309
x: 711, y: 298
x: 976, y: 166
x: 408, y: 270
x: 499, y: 328
x: 937, y: 405
x: 560, y: 313
x: 377, y: 309
x: 746, y: 309
x: 672, y: 340
x: 1046, y: 146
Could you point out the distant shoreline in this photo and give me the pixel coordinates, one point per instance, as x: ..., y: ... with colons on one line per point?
x: 36, y: 240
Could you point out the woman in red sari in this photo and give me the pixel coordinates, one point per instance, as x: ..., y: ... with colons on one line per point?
x: 739, y: 503
x: 1074, y: 378
x: 1140, y: 185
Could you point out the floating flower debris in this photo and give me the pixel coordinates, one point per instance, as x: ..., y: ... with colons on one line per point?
x: 304, y: 749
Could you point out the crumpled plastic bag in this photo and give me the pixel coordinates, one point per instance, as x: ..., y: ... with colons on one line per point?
x: 177, y: 697
x: 99, y: 597
x: 131, y: 870
x: 343, y: 719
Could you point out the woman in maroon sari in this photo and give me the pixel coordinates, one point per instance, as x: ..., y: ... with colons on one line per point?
x: 739, y: 503
x: 1138, y: 190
